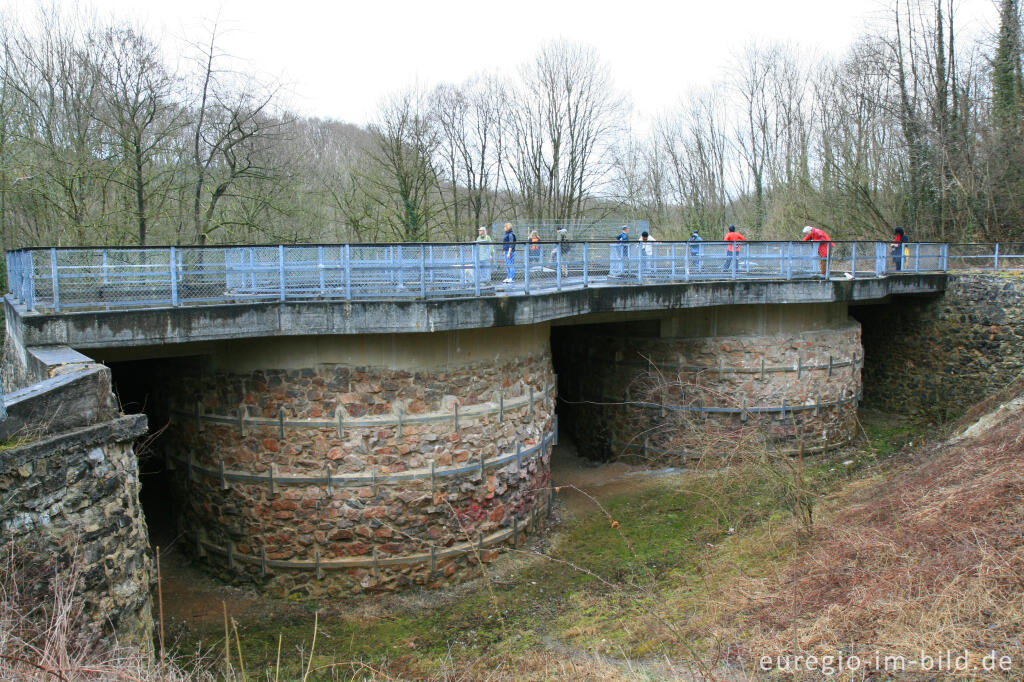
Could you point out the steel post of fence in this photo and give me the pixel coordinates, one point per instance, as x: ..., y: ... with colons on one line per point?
x: 423, y: 272
x: 917, y: 257
x: 853, y: 260
x: 788, y: 265
x: 348, y: 272
x: 172, y: 266
x: 106, y: 275
x: 558, y: 266
x: 30, y: 281
x: 476, y: 269
x: 879, y: 259
x: 320, y: 267
x: 828, y: 261
x: 995, y: 263
x: 585, y: 262
x: 944, y: 257
x: 55, y: 274
x: 280, y: 269
x: 526, y: 269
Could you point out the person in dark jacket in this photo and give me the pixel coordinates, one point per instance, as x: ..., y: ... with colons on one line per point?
x: 509, y: 247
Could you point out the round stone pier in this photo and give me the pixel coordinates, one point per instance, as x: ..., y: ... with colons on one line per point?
x: 325, y: 465
x: 713, y: 381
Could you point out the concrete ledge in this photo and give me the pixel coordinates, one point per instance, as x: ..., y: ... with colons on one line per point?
x: 161, y: 326
x: 66, y: 401
x: 121, y: 429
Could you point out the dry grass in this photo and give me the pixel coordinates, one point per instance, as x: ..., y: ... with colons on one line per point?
x: 930, y: 559
x: 44, y: 636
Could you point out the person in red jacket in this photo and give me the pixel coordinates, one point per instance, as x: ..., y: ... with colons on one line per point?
x: 824, y: 243
x: 733, y: 250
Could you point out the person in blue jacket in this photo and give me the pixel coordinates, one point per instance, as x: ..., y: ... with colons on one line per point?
x: 509, y: 247
x: 620, y: 260
x: 695, y: 250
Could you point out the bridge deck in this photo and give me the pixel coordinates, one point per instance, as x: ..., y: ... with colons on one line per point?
x: 67, y: 280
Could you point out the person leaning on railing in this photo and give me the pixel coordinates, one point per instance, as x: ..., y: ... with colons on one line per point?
x: 824, y: 243
x: 620, y: 264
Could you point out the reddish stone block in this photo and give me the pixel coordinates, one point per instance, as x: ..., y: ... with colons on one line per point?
x: 357, y: 548
x: 497, y: 514
x: 269, y: 444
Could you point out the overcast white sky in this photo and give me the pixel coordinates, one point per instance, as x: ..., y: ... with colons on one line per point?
x: 339, y: 59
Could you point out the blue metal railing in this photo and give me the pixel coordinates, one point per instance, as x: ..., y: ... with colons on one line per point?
x: 69, y: 279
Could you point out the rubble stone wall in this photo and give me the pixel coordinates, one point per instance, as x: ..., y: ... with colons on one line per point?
x: 942, y: 354
x: 70, y: 489
x: 704, y: 385
x: 345, y: 477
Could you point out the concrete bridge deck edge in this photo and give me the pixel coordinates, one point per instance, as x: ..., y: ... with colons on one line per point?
x: 158, y: 326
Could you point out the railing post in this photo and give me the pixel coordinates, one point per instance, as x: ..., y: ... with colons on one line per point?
x: 586, y: 263
x: 476, y: 269
x: 853, y: 260
x: 320, y: 268
x: 348, y: 273
x: 526, y: 267
x: 917, y: 256
x: 995, y: 264
x: 30, y: 281
x: 172, y: 264
x: 106, y: 275
x: 880, y: 259
x: 828, y: 261
x: 280, y: 269
x: 944, y: 257
x: 55, y: 274
x: 558, y: 265
x: 789, y: 260
x: 423, y: 272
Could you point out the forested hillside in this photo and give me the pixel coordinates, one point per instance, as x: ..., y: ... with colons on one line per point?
x: 105, y: 138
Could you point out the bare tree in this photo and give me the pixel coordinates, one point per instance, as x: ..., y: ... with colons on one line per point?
x: 404, y: 180
x: 470, y: 148
x: 54, y: 76
x: 566, y: 119
x: 231, y: 128
x: 139, y: 114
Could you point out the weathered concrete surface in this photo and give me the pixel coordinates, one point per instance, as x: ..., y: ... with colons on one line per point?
x: 163, y: 326
x: 62, y: 402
